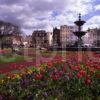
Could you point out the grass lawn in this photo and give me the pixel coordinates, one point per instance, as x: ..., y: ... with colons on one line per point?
x: 29, y: 54
x: 9, y: 57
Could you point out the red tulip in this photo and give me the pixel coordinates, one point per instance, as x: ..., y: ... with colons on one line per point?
x: 88, y: 82
x: 60, y: 72
x: 55, y: 68
x: 65, y: 67
x: 49, y: 76
x: 37, y: 65
x: 39, y: 76
x: 70, y: 75
x: 19, y: 68
x: 98, y: 75
x: 87, y: 67
x: 82, y: 72
x: 42, y: 70
x: 15, y: 66
x: 55, y: 77
x: 78, y: 75
x: 78, y: 67
x: 74, y: 68
x: 97, y: 68
x: 92, y: 71
x: 49, y: 63
x: 23, y: 73
x: 49, y: 67
x: 71, y: 67
x: 88, y: 76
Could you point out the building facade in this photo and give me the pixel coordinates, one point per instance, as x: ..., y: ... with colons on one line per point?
x: 93, y: 37
x: 28, y: 41
x: 49, y: 36
x: 56, y: 37
x: 12, y: 40
x: 40, y: 39
x: 64, y: 36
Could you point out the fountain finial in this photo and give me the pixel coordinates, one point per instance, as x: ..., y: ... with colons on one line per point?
x: 79, y: 16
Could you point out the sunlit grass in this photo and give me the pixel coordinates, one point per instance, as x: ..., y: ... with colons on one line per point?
x: 7, y: 58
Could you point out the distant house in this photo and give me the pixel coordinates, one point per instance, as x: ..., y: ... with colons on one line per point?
x: 28, y: 41
x: 64, y: 36
x: 93, y: 37
x: 9, y: 34
x: 17, y: 39
x: 40, y: 39
x: 56, y: 37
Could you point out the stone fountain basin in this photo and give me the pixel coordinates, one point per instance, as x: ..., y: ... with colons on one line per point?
x: 79, y: 33
x: 79, y: 23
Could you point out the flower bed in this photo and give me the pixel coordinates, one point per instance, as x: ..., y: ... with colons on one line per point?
x: 4, y: 51
x: 55, y: 80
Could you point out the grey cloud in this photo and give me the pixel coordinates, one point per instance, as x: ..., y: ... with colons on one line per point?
x: 47, y: 6
x: 9, y: 2
x: 40, y: 25
x: 39, y: 10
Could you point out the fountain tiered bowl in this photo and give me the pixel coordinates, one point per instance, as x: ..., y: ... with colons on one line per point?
x: 79, y: 23
x: 79, y: 33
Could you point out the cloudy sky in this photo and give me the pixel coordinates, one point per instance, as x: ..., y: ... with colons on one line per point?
x: 31, y: 15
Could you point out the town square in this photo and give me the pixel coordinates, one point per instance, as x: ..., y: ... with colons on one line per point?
x: 50, y: 52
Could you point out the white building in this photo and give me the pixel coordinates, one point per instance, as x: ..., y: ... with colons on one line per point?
x: 50, y: 41
x: 66, y: 35
x: 91, y: 36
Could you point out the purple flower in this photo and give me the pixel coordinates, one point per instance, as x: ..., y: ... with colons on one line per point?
x: 1, y: 98
x: 45, y: 94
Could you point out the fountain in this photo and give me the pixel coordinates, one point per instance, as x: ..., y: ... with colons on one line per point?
x: 78, y: 46
x: 79, y: 33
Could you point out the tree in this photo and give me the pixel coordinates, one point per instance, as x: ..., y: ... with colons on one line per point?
x: 7, y: 30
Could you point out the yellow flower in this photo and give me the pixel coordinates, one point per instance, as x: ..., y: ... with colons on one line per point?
x: 23, y: 73
x: 18, y: 76
x: 29, y: 71
x: 2, y: 80
x: 56, y: 99
x: 13, y: 76
x: 8, y: 77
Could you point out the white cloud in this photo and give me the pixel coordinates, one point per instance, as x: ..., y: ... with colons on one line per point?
x: 12, y: 8
x: 37, y: 14
x: 93, y: 22
x: 97, y: 7
x: 80, y: 6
